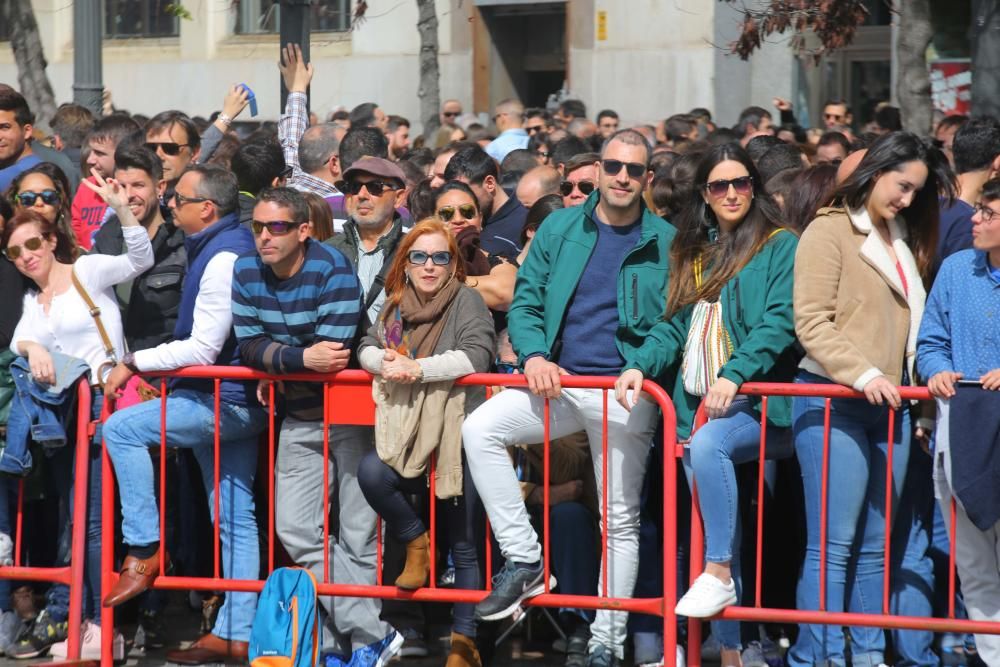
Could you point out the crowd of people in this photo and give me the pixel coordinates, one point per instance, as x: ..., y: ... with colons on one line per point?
x: 697, y: 256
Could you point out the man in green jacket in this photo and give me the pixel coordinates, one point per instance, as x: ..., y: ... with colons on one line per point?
x: 592, y: 286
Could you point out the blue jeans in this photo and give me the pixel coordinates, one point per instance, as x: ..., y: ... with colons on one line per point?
x: 191, y: 424
x: 715, y: 451
x: 855, y: 519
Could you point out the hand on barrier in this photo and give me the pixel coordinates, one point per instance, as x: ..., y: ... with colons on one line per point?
x: 263, y: 393
x: 719, y: 397
x: 400, y: 368
x: 942, y: 385
x: 120, y: 375
x: 629, y: 381
x: 326, y: 357
x: 543, y: 377
x: 991, y: 380
x: 880, y: 391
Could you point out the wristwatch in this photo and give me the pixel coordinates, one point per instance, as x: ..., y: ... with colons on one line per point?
x: 128, y: 361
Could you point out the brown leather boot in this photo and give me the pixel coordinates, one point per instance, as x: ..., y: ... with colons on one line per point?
x: 463, y: 652
x: 418, y: 564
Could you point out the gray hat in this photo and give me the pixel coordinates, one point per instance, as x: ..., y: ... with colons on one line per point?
x: 377, y: 166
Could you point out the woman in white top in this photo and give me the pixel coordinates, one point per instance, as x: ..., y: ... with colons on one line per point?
x: 56, y: 318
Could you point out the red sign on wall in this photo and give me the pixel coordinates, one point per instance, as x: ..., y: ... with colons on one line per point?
x: 951, y: 85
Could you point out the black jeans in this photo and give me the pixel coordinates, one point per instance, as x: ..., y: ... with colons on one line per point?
x: 385, y: 490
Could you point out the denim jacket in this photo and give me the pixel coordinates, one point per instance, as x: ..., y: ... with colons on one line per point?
x: 39, y: 412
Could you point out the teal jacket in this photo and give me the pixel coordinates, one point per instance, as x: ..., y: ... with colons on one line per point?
x: 757, y: 313
x: 548, y: 278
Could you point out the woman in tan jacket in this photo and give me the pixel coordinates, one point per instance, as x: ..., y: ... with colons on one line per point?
x: 860, y: 274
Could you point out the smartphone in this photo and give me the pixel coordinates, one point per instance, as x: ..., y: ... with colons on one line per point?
x: 251, y: 99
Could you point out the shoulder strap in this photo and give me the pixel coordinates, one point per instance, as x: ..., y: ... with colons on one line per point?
x: 776, y: 231
x: 697, y: 272
x: 95, y: 312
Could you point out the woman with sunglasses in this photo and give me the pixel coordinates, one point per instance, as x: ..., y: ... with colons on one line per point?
x: 44, y: 189
x: 731, y: 250
x: 433, y: 330
x: 490, y: 275
x: 861, y: 270
x: 58, y: 323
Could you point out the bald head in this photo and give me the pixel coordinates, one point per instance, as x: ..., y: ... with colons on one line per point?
x: 509, y: 115
x: 582, y: 128
x: 536, y: 183
x: 849, y: 164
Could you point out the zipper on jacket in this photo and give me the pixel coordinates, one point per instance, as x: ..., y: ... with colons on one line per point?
x: 635, y: 296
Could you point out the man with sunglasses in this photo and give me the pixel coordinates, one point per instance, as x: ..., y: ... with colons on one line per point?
x: 296, y: 308
x: 373, y: 188
x: 509, y: 119
x: 579, y: 179
x: 450, y: 111
x: 205, y: 209
x: 589, y: 291
x: 837, y: 115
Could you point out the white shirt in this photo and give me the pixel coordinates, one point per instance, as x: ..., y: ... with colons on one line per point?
x: 213, y: 321
x: 68, y: 327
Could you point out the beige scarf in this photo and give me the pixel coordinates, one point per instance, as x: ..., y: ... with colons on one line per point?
x: 414, y: 420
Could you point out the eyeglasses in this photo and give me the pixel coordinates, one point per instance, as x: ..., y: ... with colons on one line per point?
x: 181, y: 200
x: 614, y: 167
x: 986, y: 213
x: 450, y: 114
x: 287, y: 172
x: 168, y: 147
x: 467, y: 211
x: 375, y: 188
x: 419, y: 257
x: 742, y: 185
x: 28, y: 198
x: 13, y: 252
x: 274, y: 228
x: 585, y: 187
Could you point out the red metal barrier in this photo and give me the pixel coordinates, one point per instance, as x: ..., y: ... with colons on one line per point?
x: 758, y: 613
x: 72, y: 574
x: 347, y: 399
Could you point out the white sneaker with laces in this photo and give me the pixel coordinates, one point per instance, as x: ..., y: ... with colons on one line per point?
x: 90, y: 644
x: 706, y: 597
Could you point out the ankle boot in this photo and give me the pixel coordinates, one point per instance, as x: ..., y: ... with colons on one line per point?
x: 418, y: 564
x: 463, y: 652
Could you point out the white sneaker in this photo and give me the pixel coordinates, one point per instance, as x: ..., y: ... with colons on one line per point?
x: 681, y: 658
x: 706, y: 597
x: 6, y: 549
x: 90, y: 644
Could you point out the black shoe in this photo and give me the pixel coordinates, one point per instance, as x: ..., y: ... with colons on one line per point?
x: 38, y: 637
x: 512, y: 586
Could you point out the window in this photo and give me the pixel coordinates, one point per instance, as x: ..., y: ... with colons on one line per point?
x: 5, y: 20
x: 879, y: 12
x: 139, y: 18
x: 261, y: 16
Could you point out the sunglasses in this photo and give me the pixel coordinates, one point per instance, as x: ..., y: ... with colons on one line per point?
x: 13, y: 252
x: 742, y: 185
x: 168, y: 147
x: 614, y: 167
x: 451, y: 114
x: 419, y: 257
x: 585, y: 187
x: 531, y: 129
x: 26, y: 199
x: 375, y: 188
x: 467, y: 211
x: 275, y: 228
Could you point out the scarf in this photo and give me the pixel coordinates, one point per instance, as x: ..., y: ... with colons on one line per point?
x: 470, y: 251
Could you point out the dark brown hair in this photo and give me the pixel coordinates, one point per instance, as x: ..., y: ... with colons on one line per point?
x: 66, y: 249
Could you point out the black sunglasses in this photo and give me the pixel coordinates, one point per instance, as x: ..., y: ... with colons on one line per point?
x: 275, y: 228
x: 375, y: 188
x: 450, y: 114
x: 419, y: 257
x: 168, y: 147
x: 742, y: 185
x: 28, y: 198
x: 614, y: 167
x: 467, y: 211
x: 585, y: 187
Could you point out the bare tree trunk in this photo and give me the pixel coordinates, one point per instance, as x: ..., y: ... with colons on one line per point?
x: 914, y: 87
x: 30, y: 59
x: 985, y: 39
x: 429, y: 90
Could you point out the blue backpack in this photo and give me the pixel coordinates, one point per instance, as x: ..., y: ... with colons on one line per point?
x: 286, y: 629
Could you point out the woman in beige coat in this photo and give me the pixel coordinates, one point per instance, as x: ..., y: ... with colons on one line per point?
x: 860, y: 275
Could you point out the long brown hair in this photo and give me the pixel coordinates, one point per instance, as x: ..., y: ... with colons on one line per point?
x: 64, y: 216
x: 697, y: 230
x: 395, y: 279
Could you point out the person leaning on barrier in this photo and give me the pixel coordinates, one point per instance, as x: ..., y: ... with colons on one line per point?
x: 296, y: 308
x: 957, y: 342
x: 748, y: 259
x: 58, y: 332
x: 571, y: 315
x: 205, y: 208
x: 432, y: 331
x: 860, y: 271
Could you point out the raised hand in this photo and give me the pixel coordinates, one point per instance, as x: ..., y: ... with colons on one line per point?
x: 296, y: 73
x: 108, y: 189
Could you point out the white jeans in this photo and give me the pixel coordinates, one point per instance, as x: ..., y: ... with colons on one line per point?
x: 515, y: 416
x: 977, y: 556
